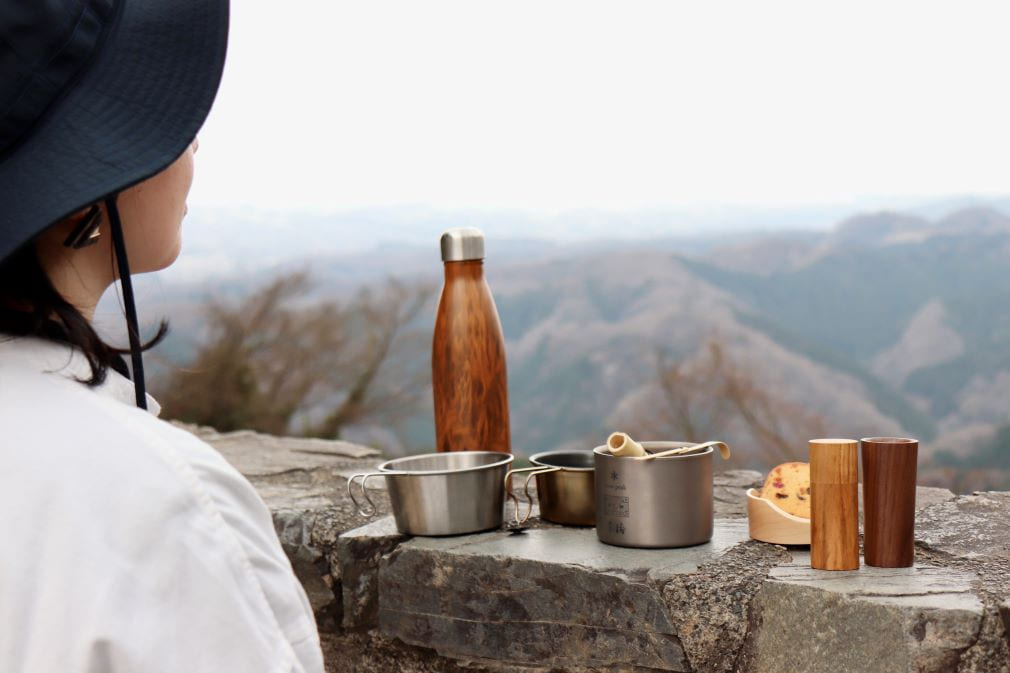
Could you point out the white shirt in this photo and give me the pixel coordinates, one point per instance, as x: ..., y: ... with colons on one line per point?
x: 128, y: 545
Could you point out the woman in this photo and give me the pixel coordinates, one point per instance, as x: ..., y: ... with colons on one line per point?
x: 125, y: 544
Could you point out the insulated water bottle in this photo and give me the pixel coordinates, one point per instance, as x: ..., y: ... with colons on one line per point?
x: 468, y: 376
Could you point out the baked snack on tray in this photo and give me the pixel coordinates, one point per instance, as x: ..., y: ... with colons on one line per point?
x: 788, y: 486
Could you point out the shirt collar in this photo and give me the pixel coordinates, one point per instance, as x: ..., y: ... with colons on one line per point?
x: 59, y: 359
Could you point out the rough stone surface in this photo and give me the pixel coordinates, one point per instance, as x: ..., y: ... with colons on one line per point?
x: 358, y: 554
x: 370, y: 652
x: 972, y: 533
x: 1004, y: 611
x: 875, y: 620
x: 357, y: 652
x: 549, y: 597
x: 729, y: 489
x: 927, y: 496
x: 710, y: 608
x: 254, y: 453
x: 970, y: 526
x: 733, y: 605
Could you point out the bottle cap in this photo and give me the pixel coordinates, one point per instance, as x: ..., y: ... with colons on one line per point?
x: 462, y: 244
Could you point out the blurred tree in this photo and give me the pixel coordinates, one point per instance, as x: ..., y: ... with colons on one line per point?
x: 279, y: 363
x: 712, y: 396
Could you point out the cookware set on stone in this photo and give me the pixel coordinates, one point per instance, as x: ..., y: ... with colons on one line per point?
x: 653, y: 500
x: 653, y: 494
x: 636, y: 494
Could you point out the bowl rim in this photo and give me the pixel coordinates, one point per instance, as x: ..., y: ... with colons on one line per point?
x: 388, y: 467
x: 753, y: 494
x: 537, y: 458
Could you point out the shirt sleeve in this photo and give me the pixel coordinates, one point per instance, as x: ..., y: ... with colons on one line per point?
x: 209, y: 572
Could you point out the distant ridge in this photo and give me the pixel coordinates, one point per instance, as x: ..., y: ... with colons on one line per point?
x: 886, y: 323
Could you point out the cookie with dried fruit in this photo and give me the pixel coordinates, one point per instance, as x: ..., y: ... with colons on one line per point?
x: 788, y: 486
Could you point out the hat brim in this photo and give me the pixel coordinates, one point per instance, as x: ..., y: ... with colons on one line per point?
x: 135, y: 109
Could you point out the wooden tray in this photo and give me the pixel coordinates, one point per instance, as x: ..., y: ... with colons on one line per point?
x: 768, y: 523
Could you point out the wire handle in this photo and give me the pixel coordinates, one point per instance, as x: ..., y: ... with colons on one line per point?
x: 533, y: 471
x: 364, y: 476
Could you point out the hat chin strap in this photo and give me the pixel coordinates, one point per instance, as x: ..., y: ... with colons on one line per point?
x: 119, y: 244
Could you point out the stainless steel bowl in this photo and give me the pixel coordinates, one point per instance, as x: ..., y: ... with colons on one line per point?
x: 441, y: 493
x: 662, y: 502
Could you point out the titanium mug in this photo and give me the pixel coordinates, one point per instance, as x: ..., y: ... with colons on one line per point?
x: 654, y: 502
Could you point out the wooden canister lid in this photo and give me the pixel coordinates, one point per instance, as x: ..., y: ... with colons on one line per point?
x: 834, y: 461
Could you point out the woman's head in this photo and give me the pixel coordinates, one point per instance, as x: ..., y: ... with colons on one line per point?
x: 151, y: 212
x: 98, y: 110
x: 51, y: 285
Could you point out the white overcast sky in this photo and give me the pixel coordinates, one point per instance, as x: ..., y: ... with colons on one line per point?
x: 549, y: 105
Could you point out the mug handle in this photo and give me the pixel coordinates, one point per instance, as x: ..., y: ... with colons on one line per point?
x: 364, y: 476
x: 534, y: 471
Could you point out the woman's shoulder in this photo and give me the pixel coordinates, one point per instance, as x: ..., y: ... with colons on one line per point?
x: 49, y: 415
x: 112, y: 486
x: 68, y: 442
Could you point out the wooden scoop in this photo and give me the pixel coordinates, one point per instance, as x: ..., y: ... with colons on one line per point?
x: 620, y: 444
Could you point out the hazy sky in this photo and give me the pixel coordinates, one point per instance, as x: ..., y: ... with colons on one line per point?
x: 550, y: 105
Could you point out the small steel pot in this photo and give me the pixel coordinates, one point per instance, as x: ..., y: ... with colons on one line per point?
x: 662, y: 502
x: 441, y: 493
x: 564, y: 486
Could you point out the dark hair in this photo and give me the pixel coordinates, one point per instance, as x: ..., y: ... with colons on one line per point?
x: 31, y: 306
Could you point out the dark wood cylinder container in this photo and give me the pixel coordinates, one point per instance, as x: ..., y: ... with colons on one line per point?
x: 889, y: 466
x: 834, y: 504
x: 468, y: 373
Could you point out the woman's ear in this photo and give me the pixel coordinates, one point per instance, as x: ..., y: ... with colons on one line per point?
x: 87, y: 231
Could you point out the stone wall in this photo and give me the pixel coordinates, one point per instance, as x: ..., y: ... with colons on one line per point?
x: 556, y: 599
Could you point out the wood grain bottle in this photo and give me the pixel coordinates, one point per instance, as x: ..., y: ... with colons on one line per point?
x: 834, y: 504
x: 468, y: 375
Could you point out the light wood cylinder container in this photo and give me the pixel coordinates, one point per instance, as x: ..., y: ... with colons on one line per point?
x: 834, y: 504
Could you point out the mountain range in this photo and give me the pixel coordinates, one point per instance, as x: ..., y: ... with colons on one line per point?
x: 886, y: 324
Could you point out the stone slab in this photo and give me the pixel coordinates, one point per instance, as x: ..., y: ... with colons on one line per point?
x: 1004, y: 613
x: 918, y: 587
x: 256, y: 454
x: 927, y: 496
x: 547, y: 597
x: 972, y: 533
x: 555, y: 598
x: 710, y: 607
x: 971, y: 526
x: 705, y: 592
x: 559, y: 598
x: 729, y: 492
x: 872, y: 620
x: 359, y: 553
x: 565, y: 545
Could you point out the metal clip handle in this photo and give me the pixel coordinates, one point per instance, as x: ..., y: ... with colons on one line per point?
x: 364, y: 492
x: 533, y: 471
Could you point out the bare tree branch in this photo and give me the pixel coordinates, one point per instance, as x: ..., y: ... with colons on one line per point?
x: 705, y: 397
x: 267, y: 362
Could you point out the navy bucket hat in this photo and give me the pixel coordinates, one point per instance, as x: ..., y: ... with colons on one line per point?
x: 96, y: 96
